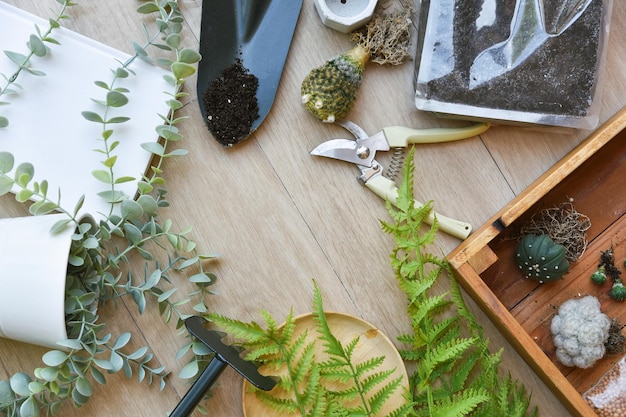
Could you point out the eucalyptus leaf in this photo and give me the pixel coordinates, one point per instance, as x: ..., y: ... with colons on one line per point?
x: 78, y: 398
x: 118, y: 119
x: 37, y: 46
x: 182, y: 70
x: 73, y: 344
x: 173, y: 40
x: 33, y: 71
x: 133, y: 234
x: 7, y: 162
x: 19, y: 384
x: 102, y: 176
x: 117, y: 362
x: 122, y: 341
x: 148, y: 204
x: 116, y: 99
x: 23, y: 195
x: 18, y: 58
x: 189, y: 56
x: 6, y: 394
x: 92, y: 116
x: 110, y: 162
x: 121, y: 73
x: 98, y: 376
x: 29, y: 408
x: 122, y: 180
x: 112, y: 197
x: 4, y: 122
x: 24, y: 173
x: 42, y: 207
x: 189, y: 371
x: 148, y: 7
x: 166, y: 295
x: 6, y: 184
x: 154, y: 148
x: 138, y: 353
x: 54, y: 358
x: 178, y: 152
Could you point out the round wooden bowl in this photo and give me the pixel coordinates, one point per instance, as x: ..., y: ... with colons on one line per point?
x: 372, y: 343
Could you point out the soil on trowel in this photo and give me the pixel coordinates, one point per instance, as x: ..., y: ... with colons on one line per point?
x: 231, y: 104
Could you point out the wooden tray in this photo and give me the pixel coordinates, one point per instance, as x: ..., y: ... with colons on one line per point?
x: 592, y: 176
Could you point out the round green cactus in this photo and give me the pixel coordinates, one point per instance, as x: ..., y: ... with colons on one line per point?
x: 540, y: 258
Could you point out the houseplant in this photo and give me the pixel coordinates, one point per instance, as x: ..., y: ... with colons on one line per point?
x: 103, y: 247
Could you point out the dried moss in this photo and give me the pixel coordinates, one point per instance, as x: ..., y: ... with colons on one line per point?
x: 386, y: 37
x: 565, y: 225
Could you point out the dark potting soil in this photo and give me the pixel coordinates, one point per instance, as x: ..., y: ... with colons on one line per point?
x: 559, y: 78
x: 231, y: 104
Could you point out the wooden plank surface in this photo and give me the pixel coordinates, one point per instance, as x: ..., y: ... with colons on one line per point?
x: 281, y: 218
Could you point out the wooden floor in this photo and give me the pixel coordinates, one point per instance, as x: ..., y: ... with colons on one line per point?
x: 281, y: 218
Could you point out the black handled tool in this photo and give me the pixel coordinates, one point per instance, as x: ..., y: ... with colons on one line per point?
x: 224, y: 355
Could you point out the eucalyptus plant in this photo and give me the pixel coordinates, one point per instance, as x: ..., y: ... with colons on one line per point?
x: 104, y: 249
x: 37, y: 47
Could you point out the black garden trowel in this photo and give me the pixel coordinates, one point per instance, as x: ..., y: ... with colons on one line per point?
x: 256, y: 36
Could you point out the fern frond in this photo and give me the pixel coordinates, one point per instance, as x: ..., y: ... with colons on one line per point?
x: 415, y: 289
x: 369, y: 365
x: 428, y: 307
x: 249, y: 332
x: 300, y: 368
x: 283, y: 405
x: 334, y: 372
x: 377, y: 401
x: 446, y: 329
x: 461, y: 404
x: 444, y: 353
x: 333, y: 346
x: 312, y: 390
x: 454, y: 375
x: 370, y: 383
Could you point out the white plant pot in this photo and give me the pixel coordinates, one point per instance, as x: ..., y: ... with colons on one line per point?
x: 345, y: 15
x: 33, y: 268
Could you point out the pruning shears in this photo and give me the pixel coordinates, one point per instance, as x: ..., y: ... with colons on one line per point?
x: 362, y: 153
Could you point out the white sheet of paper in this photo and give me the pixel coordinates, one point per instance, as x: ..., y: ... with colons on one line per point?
x: 46, y: 127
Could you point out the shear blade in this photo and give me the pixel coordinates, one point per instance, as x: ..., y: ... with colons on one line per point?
x: 342, y: 149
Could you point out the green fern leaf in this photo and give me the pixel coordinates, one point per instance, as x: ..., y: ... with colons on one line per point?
x: 461, y: 404
x: 282, y: 405
x: 377, y: 401
x: 247, y: 331
x: 363, y: 367
x: 301, y: 368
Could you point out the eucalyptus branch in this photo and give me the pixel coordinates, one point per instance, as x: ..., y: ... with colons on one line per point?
x: 36, y: 47
x: 102, y: 253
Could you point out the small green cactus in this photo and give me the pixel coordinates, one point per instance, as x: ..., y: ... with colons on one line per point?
x: 540, y: 258
x: 599, y: 276
x: 618, y: 291
x: 329, y: 92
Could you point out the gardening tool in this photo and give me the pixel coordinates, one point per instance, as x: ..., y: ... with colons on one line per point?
x: 257, y: 32
x: 362, y: 152
x: 224, y: 355
x: 529, y: 31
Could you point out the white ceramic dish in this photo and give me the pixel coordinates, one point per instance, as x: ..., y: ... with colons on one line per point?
x: 46, y: 127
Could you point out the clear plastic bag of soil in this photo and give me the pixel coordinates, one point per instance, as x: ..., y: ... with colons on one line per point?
x: 512, y: 61
x: 608, y: 396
